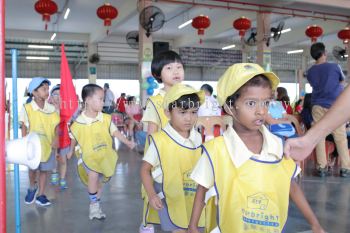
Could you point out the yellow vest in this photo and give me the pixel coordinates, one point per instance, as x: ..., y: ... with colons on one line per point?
x: 176, y: 163
x: 157, y: 102
x: 252, y: 198
x: 44, y: 125
x: 96, y: 144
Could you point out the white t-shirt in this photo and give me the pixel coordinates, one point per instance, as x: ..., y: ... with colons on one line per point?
x: 151, y: 155
x: 210, y: 107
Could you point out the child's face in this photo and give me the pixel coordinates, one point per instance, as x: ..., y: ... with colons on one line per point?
x: 41, y: 93
x: 55, y: 97
x: 183, y: 120
x: 172, y: 73
x: 250, y: 108
x: 95, y: 102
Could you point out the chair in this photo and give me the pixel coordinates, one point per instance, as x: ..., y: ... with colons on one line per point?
x: 210, y: 126
x: 118, y: 120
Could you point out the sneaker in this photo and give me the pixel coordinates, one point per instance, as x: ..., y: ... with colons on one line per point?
x: 146, y: 229
x: 63, y: 184
x: 54, y: 178
x: 344, y: 172
x: 322, y: 172
x: 95, y: 211
x: 30, y: 197
x: 42, y: 201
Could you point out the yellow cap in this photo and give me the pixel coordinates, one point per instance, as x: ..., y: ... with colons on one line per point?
x: 178, y: 90
x: 237, y: 75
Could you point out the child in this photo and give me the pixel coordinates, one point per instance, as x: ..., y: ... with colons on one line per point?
x: 244, y: 170
x: 40, y: 117
x: 167, y: 68
x: 62, y: 150
x: 92, y: 131
x: 170, y: 158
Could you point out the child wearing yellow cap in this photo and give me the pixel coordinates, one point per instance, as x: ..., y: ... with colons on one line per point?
x: 243, y: 173
x: 167, y: 68
x: 169, y: 160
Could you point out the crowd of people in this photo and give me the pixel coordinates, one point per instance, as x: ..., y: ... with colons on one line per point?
x: 237, y: 182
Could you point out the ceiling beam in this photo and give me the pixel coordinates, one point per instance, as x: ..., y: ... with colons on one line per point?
x: 44, y: 35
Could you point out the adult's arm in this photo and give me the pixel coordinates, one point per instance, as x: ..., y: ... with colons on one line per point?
x: 338, y: 114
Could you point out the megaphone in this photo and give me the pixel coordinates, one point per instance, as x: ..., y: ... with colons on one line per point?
x: 25, y: 151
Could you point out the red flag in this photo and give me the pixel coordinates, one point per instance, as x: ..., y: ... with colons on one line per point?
x: 69, y: 100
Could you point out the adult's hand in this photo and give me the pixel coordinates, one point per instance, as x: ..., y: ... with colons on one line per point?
x: 299, y: 148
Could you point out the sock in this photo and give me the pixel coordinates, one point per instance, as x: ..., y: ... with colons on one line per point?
x: 33, y: 187
x: 93, y: 197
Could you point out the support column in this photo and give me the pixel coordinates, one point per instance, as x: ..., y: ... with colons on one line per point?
x: 301, y: 79
x: 145, y: 55
x: 348, y: 63
x: 92, y: 68
x: 263, y: 53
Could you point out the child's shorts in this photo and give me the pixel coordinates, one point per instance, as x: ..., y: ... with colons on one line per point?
x: 165, y: 221
x: 49, y: 164
x: 63, y: 151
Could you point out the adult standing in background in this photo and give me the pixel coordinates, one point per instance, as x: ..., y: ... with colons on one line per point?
x: 210, y: 107
x: 301, y: 147
x: 326, y: 80
x: 108, y: 106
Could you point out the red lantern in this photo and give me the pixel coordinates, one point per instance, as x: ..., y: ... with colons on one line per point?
x: 313, y: 32
x: 107, y: 13
x: 242, y: 25
x: 201, y: 23
x: 344, y: 35
x: 46, y: 8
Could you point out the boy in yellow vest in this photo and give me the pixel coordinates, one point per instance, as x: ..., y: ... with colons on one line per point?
x: 244, y: 171
x: 40, y: 117
x: 167, y: 68
x: 170, y: 158
x: 93, y: 132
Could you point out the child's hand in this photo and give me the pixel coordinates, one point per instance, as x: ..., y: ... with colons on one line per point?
x: 131, y: 144
x: 317, y: 229
x: 155, y: 202
x: 193, y: 230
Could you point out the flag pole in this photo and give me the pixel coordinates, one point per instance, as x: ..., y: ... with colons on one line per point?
x: 14, y: 54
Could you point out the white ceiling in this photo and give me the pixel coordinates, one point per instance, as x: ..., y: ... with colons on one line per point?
x: 24, y: 23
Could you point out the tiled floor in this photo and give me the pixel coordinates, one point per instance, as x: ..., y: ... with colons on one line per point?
x: 330, y: 199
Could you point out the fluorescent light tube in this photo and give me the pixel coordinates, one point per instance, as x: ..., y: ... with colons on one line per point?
x: 286, y: 30
x: 53, y: 36
x: 295, y: 51
x: 185, y: 24
x: 67, y: 13
x: 228, y: 47
x: 37, y: 58
x: 34, y: 46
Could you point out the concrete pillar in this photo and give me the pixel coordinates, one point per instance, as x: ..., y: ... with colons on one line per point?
x: 145, y: 54
x: 304, y: 60
x: 348, y: 63
x: 263, y: 54
x: 92, y: 68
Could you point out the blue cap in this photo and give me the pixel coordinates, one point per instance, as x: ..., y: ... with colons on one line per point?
x: 36, y: 82
x: 57, y: 87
